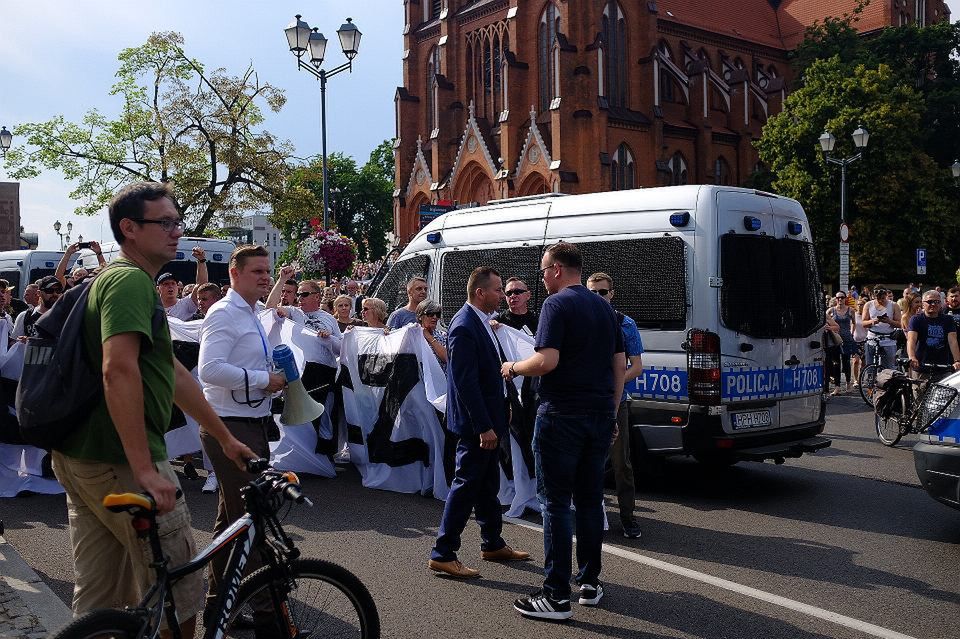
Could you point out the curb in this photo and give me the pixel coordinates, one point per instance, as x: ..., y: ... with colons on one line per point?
x: 51, y: 613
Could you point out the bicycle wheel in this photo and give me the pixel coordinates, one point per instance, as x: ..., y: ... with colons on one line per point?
x: 868, y: 382
x: 103, y: 624
x: 325, y: 601
x: 889, y: 429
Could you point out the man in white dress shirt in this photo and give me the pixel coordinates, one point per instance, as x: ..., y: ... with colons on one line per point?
x: 236, y: 371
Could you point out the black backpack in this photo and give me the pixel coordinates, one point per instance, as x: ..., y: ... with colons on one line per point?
x: 58, y: 388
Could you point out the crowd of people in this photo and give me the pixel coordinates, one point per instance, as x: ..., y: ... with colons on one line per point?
x: 866, y: 326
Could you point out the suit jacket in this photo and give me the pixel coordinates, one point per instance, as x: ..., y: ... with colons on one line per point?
x: 475, y: 400
x: 358, y: 304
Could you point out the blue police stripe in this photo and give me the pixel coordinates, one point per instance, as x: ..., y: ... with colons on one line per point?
x: 737, y: 384
x: 660, y: 382
x: 944, y: 429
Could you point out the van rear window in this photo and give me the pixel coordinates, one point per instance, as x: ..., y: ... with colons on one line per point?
x: 393, y: 289
x: 649, y: 276
x: 771, y: 287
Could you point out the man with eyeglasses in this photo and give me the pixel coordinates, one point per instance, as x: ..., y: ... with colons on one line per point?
x: 120, y: 446
x: 50, y: 291
x: 932, y: 336
x: 168, y: 288
x: 620, y: 454
x: 518, y: 315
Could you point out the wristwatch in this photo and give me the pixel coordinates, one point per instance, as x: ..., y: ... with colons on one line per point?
x: 202, y: 261
x: 513, y: 371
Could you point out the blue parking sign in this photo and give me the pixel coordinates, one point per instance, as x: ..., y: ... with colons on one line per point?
x: 921, y: 261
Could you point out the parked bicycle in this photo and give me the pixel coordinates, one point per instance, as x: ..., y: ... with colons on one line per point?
x: 907, y: 406
x: 867, y: 381
x: 307, y: 597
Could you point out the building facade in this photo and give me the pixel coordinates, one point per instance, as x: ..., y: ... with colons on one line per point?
x: 506, y: 98
x: 10, y: 231
x: 260, y: 231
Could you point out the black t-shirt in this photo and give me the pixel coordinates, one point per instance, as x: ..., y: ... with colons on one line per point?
x: 583, y: 327
x: 528, y: 319
x: 932, y: 334
x: 955, y: 314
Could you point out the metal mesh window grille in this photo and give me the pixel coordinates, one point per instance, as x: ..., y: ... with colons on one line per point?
x: 939, y: 401
x: 393, y: 289
x: 649, y: 276
x: 771, y: 287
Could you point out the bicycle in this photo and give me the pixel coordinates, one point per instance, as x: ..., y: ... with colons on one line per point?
x: 914, y: 405
x: 308, y: 597
x: 867, y: 380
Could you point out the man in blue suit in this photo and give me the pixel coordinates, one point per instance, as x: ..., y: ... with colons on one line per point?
x: 476, y: 412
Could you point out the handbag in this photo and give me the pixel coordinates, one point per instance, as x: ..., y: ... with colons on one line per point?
x: 833, y: 338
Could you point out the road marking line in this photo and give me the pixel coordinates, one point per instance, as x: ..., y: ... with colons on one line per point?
x: 777, y: 600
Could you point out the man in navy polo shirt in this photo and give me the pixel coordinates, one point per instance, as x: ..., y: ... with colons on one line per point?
x: 579, y: 357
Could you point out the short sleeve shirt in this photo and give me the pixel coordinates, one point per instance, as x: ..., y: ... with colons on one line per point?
x: 528, y: 320
x: 183, y: 309
x: 584, y: 329
x: 401, y: 317
x: 932, y: 335
x: 632, y: 344
x: 124, y: 300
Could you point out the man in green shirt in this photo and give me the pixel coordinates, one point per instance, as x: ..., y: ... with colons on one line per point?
x: 120, y: 446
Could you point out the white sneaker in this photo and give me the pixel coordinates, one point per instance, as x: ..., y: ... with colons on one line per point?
x: 210, y: 486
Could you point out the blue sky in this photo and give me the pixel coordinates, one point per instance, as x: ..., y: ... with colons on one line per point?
x: 59, y: 57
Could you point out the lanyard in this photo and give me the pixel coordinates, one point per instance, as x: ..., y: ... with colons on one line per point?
x: 263, y: 340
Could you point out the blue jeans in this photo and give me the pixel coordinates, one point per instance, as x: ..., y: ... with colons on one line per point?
x: 569, y: 452
x: 888, y: 355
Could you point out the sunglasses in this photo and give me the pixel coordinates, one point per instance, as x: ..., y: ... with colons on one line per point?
x: 516, y: 291
x: 303, y: 294
x: 932, y: 302
x: 53, y: 291
x: 602, y: 292
x: 436, y: 315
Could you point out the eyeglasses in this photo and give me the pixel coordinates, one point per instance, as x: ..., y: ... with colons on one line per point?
x: 436, y: 314
x: 303, y: 294
x: 167, y: 225
x: 543, y: 271
x: 516, y: 291
x: 841, y: 297
x: 602, y: 292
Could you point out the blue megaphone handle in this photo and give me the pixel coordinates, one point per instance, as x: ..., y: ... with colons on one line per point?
x: 283, y: 358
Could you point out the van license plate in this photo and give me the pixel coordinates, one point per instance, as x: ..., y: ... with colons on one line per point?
x: 753, y: 419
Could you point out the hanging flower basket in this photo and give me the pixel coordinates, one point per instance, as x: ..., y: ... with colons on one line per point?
x: 326, y: 252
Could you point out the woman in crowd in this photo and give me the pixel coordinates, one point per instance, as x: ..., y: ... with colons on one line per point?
x: 831, y: 345
x: 843, y: 316
x: 880, y: 316
x: 374, y: 312
x: 860, y: 337
x: 342, y: 306
x: 428, y: 316
x: 912, y: 305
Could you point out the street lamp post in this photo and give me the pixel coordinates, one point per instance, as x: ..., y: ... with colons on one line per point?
x: 827, y: 143
x: 300, y: 39
x: 64, y: 238
x: 955, y: 169
x: 6, y: 139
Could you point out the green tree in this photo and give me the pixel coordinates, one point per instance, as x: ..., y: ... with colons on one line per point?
x: 198, y: 130
x: 361, y: 200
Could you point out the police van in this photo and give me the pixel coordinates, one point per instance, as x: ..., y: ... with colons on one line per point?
x: 20, y: 268
x: 722, y: 282
x: 183, y: 266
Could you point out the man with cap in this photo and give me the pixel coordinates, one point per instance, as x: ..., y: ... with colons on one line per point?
x: 167, y: 287
x: 50, y: 291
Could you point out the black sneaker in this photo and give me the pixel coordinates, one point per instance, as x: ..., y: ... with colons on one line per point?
x: 590, y: 595
x: 540, y: 606
x: 631, y: 530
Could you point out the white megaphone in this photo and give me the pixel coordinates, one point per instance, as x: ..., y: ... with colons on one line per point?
x: 298, y: 406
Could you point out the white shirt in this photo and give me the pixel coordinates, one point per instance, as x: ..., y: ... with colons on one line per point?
x: 232, y: 340
x: 485, y: 319
x: 183, y: 309
x: 18, y: 326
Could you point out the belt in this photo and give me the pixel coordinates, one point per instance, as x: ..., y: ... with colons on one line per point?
x: 259, y: 421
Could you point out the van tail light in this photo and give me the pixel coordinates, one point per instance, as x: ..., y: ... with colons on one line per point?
x: 703, y: 367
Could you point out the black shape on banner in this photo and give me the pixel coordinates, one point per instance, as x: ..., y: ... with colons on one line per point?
x: 398, y: 374
x: 188, y: 353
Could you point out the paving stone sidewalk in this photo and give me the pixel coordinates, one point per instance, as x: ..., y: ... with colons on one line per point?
x: 28, y: 608
x: 16, y: 620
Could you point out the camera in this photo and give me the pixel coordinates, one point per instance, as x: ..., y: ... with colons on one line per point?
x: 83, y: 245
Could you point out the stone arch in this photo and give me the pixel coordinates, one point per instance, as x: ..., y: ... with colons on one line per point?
x: 473, y: 184
x: 534, y: 184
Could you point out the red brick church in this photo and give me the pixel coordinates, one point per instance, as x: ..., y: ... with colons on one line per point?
x: 505, y: 98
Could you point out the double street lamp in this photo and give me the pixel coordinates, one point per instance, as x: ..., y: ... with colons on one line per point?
x: 301, y: 39
x: 827, y: 143
x: 64, y: 237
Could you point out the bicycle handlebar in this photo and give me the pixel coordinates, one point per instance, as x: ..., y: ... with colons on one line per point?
x: 926, y: 368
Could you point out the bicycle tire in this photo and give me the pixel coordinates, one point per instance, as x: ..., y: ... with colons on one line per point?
x: 314, y: 599
x: 868, y: 382
x: 102, y: 624
x: 889, y: 429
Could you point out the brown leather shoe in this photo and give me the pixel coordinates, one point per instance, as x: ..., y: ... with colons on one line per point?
x: 453, y: 568
x: 505, y: 554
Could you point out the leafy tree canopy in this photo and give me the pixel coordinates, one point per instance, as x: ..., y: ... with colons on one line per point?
x: 360, y: 199
x: 198, y: 130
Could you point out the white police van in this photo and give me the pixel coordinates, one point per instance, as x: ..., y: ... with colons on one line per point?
x: 937, y: 454
x: 183, y: 266
x: 20, y: 268
x: 723, y: 284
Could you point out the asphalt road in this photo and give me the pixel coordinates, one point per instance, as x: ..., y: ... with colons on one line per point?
x: 843, y: 543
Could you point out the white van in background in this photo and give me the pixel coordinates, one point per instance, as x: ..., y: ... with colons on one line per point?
x: 183, y: 267
x: 20, y: 268
x: 722, y: 282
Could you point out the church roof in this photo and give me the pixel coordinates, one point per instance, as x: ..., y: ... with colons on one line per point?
x: 773, y: 23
